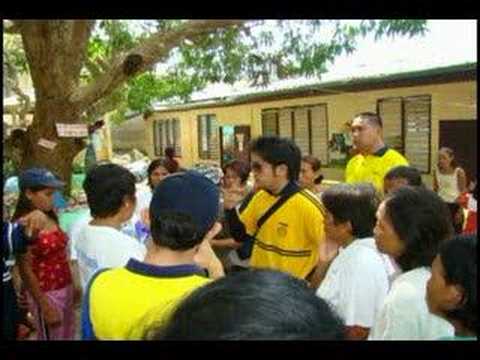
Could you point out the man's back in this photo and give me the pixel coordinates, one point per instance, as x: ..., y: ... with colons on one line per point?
x: 122, y: 303
x: 289, y: 240
x: 98, y: 247
x: 373, y: 168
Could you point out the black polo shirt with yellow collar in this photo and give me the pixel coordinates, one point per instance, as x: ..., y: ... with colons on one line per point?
x: 372, y: 168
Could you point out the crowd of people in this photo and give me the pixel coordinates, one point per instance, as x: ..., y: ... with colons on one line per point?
x: 377, y: 257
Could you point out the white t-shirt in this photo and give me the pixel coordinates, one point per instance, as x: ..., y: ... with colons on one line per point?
x: 405, y: 315
x: 357, y: 282
x: 144, y: 197
x: 99, y: 247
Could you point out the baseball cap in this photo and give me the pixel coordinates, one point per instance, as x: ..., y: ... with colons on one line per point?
x: 39, y: 177
x: 188, y: 193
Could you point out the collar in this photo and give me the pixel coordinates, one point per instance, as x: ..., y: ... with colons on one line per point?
x: 380, y: 152
x: 291, y: 186
x: 183, y: 270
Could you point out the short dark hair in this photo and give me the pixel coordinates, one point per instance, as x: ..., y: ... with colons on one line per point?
x: 277, y: 151
x: 422, y: 221
x: 371, y: 117
x: 175, y: 231
x: 316, y: 164
x: 354, y: 203
x: 409, y: 173
x: 459, y: 260
x: 252, y: 305
x: 106, y: 186
x: 239, y: 167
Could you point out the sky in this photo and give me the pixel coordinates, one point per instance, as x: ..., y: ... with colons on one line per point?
x: 447, y: 42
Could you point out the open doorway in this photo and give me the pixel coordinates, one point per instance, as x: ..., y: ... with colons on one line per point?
x: 461, y: 137
x: 234, y: 142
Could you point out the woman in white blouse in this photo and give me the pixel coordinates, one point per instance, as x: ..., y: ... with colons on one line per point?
x: 450, y: 181
x: 357, y: 279
x: 412, y: 222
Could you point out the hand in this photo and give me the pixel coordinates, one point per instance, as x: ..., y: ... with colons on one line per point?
x: 51, y: 315
x: 205, y: 256
x: 232, y: 197
x: 22, y: 300
x: 145, y: 216
x: 34, y: 222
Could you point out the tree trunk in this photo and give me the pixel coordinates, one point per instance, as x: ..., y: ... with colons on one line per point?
x: 55, y: 51
x: 59, y: 160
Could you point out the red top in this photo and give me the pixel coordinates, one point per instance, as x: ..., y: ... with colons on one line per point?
x: 471, y: 223
x: 50, y: 263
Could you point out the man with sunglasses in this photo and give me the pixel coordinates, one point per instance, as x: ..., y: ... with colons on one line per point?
x: 285, y: 222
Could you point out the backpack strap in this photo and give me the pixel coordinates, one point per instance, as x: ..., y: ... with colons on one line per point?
x: 292, y: 190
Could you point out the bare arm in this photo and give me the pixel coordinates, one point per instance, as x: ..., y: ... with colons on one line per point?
x: 461, y: 180
x: 435, y: 182
x: 32, y: 285
x: 77, y: 288
x: 357, y: 332
x: 225, y: 243
x: 205, y: 256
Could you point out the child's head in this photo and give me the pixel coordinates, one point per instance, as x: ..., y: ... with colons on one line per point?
x: 37, y: 188
x: 401, y: 176
x: 184, y: 207
x: 110, y: 191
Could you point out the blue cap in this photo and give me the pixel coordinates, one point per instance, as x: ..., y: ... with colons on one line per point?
x: 39, y: 177
x: 188, y: 193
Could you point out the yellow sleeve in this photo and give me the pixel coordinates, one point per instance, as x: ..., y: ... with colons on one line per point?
x: 249, y: 215
x: 315, y: 221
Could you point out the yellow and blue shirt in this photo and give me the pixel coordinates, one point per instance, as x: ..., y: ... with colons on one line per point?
x: 122, y: 303
x: 372, y: 168
x: 289, y: 240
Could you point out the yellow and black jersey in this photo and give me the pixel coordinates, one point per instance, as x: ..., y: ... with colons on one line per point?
x: 289, y: 240
x: 122, y: 303
x: 373, y: 168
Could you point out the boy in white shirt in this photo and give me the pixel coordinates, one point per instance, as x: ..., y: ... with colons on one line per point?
x: 110, y: 191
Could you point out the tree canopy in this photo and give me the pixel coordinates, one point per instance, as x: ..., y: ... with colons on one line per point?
x: 258, y: 50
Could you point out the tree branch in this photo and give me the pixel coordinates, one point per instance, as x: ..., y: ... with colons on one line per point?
x: 11, y: 27
x: 81, y: 31
x: 143, y: 57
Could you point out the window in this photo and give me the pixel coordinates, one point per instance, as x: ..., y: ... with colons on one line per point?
x: 208, y: 137
x: 306, y: 125
x: 407, y: 127
x: 166, y: 132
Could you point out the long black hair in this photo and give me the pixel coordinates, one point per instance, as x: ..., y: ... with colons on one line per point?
x: 157, y: 163
x: 25, y: 206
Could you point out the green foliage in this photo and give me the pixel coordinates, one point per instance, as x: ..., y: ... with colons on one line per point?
x: 14, y: 53
x: 284, y: 49
x: 260, y: 51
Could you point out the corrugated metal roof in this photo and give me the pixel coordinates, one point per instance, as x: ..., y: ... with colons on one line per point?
x: 319, y: 86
